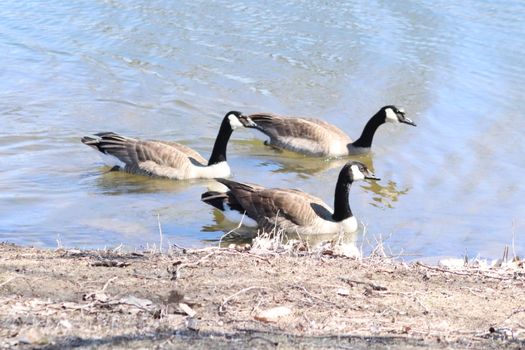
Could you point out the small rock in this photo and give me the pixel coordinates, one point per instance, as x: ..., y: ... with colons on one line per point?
x: 33, y: 336
x: 138, y: 302
x: 187, y: 309
x: 273, y: 314
x: 100, y: 297
x: 66, y: 324
x: 192, y: 324
x: 343, y: 291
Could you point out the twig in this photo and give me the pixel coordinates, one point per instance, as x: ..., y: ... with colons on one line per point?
x: 179, y: 247
x: 117, y: 248
x: 160, y: 233
x: 9, y: 280
x: 513, y: 239
x: 221, y: 308
x: 235, y: 252
x: 59, y: 242
x: 505, y: 256
x: 371, y: 285
x: 416, y: 299
x: 313, y: 296
x: 110, y: 263
x: 177, y: 272
x: 514, y: 312
x: 363, y: 239
x: 233, y: 229
x: 474, y: 293
x: 108, y: 282
x: 462, y: 273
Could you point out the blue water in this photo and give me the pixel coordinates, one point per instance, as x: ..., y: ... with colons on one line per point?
x: 171, y: 70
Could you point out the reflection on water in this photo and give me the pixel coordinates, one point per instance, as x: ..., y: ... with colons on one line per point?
x: 386, y: 195
x: 386, y: 191
x: 120, y: 183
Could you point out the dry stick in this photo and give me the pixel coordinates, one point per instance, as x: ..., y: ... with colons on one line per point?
x: 514, y: 312
x: 232, y: 230
x: 235, y: 252
x: 312, y: 295
x: 416, y: 299
x: 59, y: 242
x: 513, y: 239
x: 160, y: 233
x: 178, y: 246
x: 371, y: 285
x: 462, y: 273
x: 177, y: 272
x: 9, y: 280
x: 107, y: 283
x: 362, y: 240
x: 474, y: 293
x: 117, y: 248
x: 221, y: 308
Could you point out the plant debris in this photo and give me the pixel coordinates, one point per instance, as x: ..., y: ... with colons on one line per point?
x: 253, y: 298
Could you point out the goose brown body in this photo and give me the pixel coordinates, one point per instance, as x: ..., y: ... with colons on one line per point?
x: 166, y: 158
x: 310, y: 136
x: 291, y: 210
x: 315, y: 137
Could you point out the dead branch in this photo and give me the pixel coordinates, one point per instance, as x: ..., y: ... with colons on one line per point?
x: 369, y: 284
x: 9, y: 280
x: 107, y: 283
x: 110, y: 263
x: 177, y: 272
x: 477, y: 273
x: 221, y: 308
x: 313, y: 295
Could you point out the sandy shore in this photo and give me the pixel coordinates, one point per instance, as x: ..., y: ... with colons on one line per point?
x: 224, y: 298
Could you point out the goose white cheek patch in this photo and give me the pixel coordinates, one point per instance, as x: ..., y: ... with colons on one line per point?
x: 391, y: 116
x: 356, y: 173
x: 234, y: 121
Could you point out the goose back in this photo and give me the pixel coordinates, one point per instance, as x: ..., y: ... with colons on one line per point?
x: 304, y: 135
x: 290, y: 210
x: 157, y: 158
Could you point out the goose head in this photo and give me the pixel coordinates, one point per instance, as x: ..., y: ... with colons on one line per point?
x: 355, y: 171
x: 234, y: 119
x: 396, y: 115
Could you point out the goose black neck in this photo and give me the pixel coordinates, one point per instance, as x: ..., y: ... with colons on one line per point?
x: 365, y: 140
x: 221, y: 142
x: 341, y: 204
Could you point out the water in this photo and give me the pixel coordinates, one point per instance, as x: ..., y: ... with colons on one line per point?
x: 171, y: 70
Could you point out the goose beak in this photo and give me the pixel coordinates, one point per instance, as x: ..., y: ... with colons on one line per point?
x: 372, y: 177
x: 403, y: 119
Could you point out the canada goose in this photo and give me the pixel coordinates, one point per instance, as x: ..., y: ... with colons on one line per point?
x: 165, y: 158
x: 292, y: 211
x: 315, y: 137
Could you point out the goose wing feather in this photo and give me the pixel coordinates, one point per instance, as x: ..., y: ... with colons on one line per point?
x: 152, y: 157
x: 299, y: 134
x: 274, y: 207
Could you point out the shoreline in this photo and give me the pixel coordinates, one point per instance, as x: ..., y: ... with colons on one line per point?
x: 243, y: 298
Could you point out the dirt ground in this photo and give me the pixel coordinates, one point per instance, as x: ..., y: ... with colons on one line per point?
x: 225, y: 298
